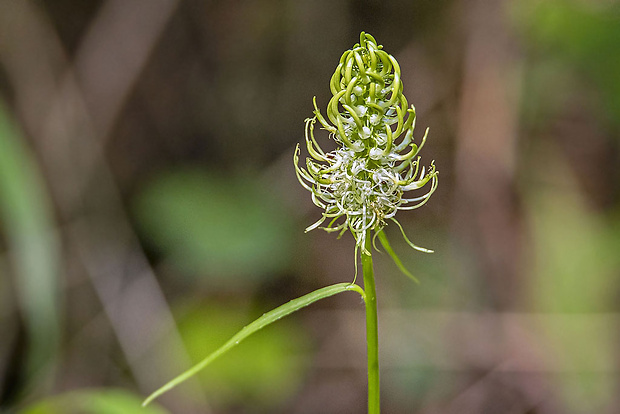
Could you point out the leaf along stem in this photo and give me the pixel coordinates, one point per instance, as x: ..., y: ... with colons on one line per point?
x: 267, y: 319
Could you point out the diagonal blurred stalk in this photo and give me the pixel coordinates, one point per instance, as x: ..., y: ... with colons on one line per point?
x: 33, y: 248
x: 53, y: 108
x: 104, y: 49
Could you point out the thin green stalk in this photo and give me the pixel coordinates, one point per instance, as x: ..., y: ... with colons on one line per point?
x: 372, y: 332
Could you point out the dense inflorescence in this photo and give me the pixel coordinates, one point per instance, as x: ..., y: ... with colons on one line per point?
x: 366, y: 179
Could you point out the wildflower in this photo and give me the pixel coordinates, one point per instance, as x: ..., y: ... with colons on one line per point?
x: 369, y: 176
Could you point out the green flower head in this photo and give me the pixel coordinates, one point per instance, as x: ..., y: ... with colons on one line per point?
x: 375, y: 167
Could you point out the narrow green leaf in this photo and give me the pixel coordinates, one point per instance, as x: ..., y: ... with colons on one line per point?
x: 386, y: 245
x: 92, y: 401
x: 260, y: 323
x: 26, y: 219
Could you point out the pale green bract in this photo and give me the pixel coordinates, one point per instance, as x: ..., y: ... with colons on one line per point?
x: 367, y: 178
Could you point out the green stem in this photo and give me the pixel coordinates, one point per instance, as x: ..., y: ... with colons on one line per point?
x: 372, y: 332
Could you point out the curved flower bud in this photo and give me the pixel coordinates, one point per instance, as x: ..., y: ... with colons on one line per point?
x: 367, y: 178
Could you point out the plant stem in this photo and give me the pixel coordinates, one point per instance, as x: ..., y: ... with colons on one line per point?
x: 372, y: 332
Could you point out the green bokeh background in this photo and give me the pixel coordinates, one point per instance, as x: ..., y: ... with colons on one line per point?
x: 149, y: 208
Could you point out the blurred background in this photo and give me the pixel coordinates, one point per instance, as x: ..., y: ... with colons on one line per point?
x: 149, y: 208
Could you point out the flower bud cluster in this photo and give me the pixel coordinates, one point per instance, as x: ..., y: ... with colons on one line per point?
x: 365, y: 180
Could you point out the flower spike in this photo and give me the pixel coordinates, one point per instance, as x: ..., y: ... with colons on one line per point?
x: 368, y: 177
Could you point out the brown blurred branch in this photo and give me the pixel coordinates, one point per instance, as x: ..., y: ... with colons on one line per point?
x: 487, y: 216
